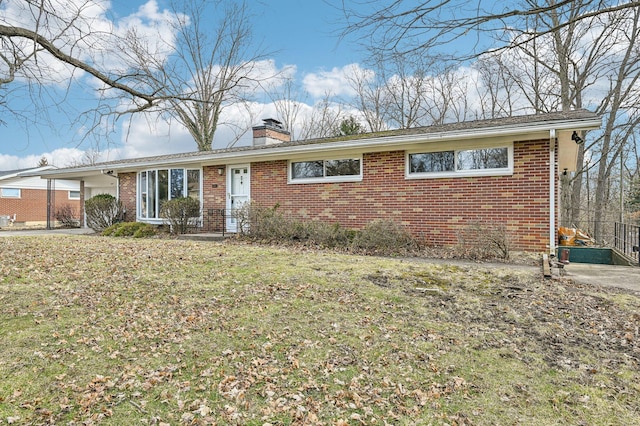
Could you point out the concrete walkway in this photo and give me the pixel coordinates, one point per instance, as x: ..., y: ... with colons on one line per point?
x: 8, y: 232
x: 627, y: 277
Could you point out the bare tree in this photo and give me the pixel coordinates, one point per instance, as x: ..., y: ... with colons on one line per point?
x: 497, y: 91
x: 370, y: 97
x: 287, y: 99
x: 324, y: 119
x: 586, y: 54
x: 189, y: 71
x: 409, y: 91
x: 400, y: 27
x: 446, y: 96
x: 210, y: 68
x: 405, y: 89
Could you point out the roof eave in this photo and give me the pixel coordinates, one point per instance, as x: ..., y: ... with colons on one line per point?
x: 280, y: 152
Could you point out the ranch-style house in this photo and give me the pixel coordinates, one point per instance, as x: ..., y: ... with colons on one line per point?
x: 434, y: 180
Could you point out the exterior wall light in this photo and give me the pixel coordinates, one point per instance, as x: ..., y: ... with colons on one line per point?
x: 577, y: 139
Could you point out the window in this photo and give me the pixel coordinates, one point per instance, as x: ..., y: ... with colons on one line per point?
x: 467, y: 162
x: 74, y: 195
x: 10, y: 193
x: 193, y: 183
x: 480, y: 159
x: 346, y: 169
x: 432, y: 162
x: 157, y: 186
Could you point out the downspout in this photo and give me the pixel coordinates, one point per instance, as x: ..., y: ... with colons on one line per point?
x: 552, y: 191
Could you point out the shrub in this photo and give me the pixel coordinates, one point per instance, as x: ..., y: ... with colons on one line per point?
x: 130, y: 229
x: 330, y: 235
x: 384, y: 237
x: 484, y: 241
x: 102, y: 211
x: 181, y: 213
x: 268, y: 224
x: 260, y: 223
x: 67, y: 216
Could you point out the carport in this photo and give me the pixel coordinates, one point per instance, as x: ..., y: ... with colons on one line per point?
x: 92, y: 182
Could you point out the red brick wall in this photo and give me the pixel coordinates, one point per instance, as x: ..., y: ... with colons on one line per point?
x: 433, y: 209
x: 32, y: 205
x: 214, y: 198
x: 127, y: 194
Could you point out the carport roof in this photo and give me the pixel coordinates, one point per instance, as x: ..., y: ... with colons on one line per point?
x: 33, y: 171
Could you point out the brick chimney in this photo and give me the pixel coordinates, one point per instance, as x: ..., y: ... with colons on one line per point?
x: 270, y: 133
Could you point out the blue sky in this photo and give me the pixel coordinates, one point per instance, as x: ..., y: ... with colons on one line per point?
x: 301, y: 33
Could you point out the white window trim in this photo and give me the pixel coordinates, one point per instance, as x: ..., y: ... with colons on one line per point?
x: 325, y: 179
x: 11, y: 196
x: 508, y: 171
x: 157, y: 220
x: 73, y: 198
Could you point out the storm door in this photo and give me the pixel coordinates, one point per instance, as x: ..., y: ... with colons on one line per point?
x: 238, y: 194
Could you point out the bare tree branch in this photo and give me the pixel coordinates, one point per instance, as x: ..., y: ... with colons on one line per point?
x: 401, y: 27
x: 190, y: 71
x: 211, y: 69
x: 46, y: 45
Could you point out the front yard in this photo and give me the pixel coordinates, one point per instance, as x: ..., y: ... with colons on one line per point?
x: 99, y: 330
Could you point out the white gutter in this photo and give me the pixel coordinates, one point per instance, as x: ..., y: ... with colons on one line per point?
x: 552, y: 190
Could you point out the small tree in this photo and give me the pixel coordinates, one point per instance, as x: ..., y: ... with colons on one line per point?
x: 180, y: 213
x: 349, y: 126
x: 103, y: 210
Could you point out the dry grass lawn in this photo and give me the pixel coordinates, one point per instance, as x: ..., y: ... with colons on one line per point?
x: 98, y: 330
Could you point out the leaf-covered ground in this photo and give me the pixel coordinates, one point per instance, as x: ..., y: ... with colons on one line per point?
x: 96, y: 330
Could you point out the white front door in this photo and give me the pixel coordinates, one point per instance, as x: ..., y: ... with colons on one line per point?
x: 238, y: 194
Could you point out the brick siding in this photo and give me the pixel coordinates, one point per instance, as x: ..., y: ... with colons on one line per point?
x: 436, y: 210
x: 215, y: 196
x: 127, y: 195
x: 32, y: 205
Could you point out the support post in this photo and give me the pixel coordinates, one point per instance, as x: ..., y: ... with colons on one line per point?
x: 49, y: 202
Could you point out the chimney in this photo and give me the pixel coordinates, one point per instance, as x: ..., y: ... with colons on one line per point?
x: 270, y: 133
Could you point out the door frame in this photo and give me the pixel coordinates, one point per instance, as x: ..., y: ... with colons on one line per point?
x: 231, y: 223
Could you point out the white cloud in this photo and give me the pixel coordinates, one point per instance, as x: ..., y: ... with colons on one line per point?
x: 334, y: 82
x: 149, y: 135
x: 61, y: 157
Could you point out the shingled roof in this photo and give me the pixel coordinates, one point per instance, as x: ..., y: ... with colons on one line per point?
x: 514, y: 122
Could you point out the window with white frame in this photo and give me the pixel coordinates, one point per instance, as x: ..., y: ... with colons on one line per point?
x: 74, y: 195
x: 10, y: 192
x: 461, y: 162
x: 159, y: 185
x: 340, y: 169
